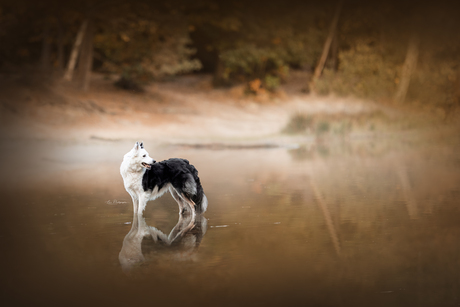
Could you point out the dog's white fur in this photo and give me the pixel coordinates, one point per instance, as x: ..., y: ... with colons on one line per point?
x: 132, y: 170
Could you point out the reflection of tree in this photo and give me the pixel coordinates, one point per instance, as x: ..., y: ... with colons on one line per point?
x: 182, y: 241
x: 408, y: 69
x: 327, y: 216
x: 411, y: 203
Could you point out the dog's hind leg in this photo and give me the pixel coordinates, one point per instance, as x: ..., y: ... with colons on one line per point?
x: 190, y: 204
x: 183, y: 207
x: 186, y: 205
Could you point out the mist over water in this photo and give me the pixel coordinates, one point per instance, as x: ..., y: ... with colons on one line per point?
x: 359, y: 223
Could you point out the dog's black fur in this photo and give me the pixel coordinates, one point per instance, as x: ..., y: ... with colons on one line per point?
x: 177, y: 172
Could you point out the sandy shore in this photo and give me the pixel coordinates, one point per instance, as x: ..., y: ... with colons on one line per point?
x: 179, y: 111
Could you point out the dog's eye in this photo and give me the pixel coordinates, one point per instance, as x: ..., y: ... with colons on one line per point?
x: 143, y: 156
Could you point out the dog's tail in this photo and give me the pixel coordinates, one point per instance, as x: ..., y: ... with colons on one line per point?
x: 194, y: 190
x: 200, y: 200
x: 201, y: 208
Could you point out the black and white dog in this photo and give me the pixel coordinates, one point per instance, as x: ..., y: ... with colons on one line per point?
x: 145, y: 180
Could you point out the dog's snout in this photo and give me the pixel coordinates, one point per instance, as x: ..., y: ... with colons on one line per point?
x: 153, y: 161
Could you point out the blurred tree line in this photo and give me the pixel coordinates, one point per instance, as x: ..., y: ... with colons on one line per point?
x: 388, y: 50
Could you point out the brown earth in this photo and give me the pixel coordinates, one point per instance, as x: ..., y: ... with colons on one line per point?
x: 186, y: 110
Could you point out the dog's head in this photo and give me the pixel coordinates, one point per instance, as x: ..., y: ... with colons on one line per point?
x: 140, y: 157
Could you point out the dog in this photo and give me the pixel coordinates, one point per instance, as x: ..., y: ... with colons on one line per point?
x: 145, y: 179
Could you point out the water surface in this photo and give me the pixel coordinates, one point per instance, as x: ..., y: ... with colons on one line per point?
x: 362, y: 223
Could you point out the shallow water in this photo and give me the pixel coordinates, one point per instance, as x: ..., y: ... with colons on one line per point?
x: 362, y: 223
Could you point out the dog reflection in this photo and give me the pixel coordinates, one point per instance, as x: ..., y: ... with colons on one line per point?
x: 180, y: 244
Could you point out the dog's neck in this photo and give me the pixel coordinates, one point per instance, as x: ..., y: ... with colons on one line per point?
x: 132, y: 172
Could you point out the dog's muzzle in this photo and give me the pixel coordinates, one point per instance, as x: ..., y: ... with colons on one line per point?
x: 147, y: 166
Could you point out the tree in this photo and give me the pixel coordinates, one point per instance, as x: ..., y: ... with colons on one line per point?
x: 327, y: 44
x: 331, y: 37
x: 75, y: 51
x: 86, y: 57
x: 408, y: 68
x: 46, y: 49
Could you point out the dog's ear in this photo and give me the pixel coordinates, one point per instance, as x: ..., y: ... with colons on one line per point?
x: 136, y: 146
x: 141, y: 145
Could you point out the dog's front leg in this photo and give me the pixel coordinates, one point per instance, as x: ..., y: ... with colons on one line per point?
x: 135, y: 203
x: 142, y: 204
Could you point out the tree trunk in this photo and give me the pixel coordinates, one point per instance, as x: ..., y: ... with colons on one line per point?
x: 383, y: 39
x: 75, y: 50
x: 86, y: 57
x: 409, y: 66
x: 218, y: 73
x: 46, y: 50
x: 327, y: 44
x: 334, y: 52
x: 60, y: 47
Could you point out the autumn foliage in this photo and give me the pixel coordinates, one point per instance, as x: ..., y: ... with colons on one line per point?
x: 256, y: 43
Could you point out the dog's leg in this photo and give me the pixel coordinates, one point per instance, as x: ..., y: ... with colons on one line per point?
x: 179, y: 201
x: 135, y: 203
x: 142, y: 204
x: 190, y: 204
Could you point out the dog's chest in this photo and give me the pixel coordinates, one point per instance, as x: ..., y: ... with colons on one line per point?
x: 133, y: 181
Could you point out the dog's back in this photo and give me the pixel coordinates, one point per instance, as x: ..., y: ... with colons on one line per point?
x: 181, y: 175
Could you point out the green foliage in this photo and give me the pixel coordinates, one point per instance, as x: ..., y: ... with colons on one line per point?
x: 363, y: 72
x: 304, y: 124
x: 271, y: 60
x: 143, y: 49
x: 299, y: 123
x: 256, y: 42
x: 250, y: 62
x: 322, y: 127
x: 271, y: 82
x: 268, y: 42
x: 301, y: 48
x: 436, y: 83
x: 340, y: 125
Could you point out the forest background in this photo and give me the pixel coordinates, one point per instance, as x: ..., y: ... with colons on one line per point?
x: 404, y: 52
